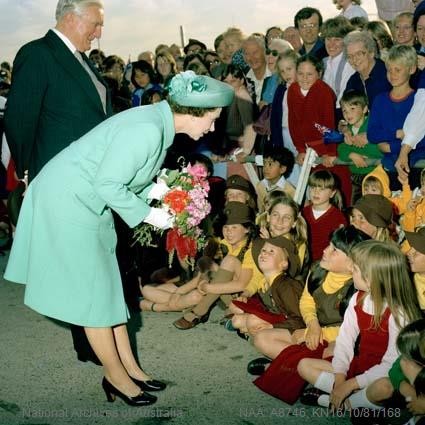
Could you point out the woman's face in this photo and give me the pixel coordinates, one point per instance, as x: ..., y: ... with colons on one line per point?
x: 272, y: 258
x: 358, y: 220
x: 287, y: 70
x: 141, y: 78
x: 335, y: 260
x: 281, y: 220
x: 334, y: 46
x: 420, y: 30
x: 359, y: 58
x: 163, y: 66
x: 221, y: 52
x: 199, y: 126
x: 272, y: 52
x: 403, y: 31
x: 234, y: 233
x: 232, y: 45
x: 307, y: 75
x: 236, y: 195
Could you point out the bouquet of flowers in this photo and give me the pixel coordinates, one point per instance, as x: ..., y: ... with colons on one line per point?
x: 187, y: 202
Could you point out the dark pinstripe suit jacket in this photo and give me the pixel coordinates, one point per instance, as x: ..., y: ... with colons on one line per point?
x: 52, y: 102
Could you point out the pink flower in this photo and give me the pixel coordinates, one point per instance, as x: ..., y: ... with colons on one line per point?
x: 198, y: 171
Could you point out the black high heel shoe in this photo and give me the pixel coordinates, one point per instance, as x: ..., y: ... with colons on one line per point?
x: 151, y: 385
x: 143, y: 399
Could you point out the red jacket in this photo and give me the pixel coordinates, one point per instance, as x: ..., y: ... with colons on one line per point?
x: 318, y: 106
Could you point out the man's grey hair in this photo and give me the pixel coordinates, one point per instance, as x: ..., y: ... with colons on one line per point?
x: 75, y: 6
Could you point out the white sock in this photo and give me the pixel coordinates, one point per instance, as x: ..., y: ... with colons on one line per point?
x: 325, y: 382
x: 359, y: 399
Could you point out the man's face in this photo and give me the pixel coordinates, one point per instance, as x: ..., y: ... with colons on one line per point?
x: 87, y: 27
x: 309, y: 29
x: 254, y: 56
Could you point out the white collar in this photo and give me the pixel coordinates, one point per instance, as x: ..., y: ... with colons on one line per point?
x: 279, y: 184
x: 66, y: 40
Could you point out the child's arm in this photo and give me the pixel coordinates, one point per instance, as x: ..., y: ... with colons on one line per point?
x: 188, y: 286
x: 407, y: 390
x: 230, y: 287
x: 342, y: 389
x: 313, y: 334
x: 402, y: 201
x: 415, y: 210
x: 346, y: 339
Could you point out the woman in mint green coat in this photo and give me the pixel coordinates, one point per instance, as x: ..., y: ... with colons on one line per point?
x: 64, y: 245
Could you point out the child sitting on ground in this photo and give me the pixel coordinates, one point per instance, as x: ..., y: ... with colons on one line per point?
x: 385, y: 302
x: 276, y: 304
x: 407, y: 374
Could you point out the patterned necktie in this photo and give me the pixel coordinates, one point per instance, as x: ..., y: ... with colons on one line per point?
x: 101, y: 89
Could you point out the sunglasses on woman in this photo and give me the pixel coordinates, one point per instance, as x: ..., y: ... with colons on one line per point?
x: 272, y: 52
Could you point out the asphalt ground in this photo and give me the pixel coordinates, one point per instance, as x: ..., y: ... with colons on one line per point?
x: 43, y: 383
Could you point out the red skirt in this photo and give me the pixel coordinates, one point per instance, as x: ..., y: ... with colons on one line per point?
x: 281, y: 378
x: 255, y: 306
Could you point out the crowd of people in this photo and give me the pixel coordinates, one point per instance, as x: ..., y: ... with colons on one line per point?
x: 330, y: 289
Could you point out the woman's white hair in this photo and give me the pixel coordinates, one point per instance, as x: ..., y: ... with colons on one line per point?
x: 75, y: 6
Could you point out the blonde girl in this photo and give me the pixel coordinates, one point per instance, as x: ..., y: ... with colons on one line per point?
x: 286, y: 68
x: 283, y: 218
x: 385, y: 302
x: 323, y: 215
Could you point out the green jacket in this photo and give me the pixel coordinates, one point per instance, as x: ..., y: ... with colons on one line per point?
x: 370, y: 150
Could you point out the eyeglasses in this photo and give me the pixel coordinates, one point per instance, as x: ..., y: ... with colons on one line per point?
x: 357, y: 55
x: 308, y: 26
x: 272, y: 52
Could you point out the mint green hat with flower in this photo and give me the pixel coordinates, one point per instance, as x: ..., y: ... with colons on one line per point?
x: 199, y: 91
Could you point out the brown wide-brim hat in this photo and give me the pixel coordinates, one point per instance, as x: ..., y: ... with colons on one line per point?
x: 417, y: 239
x: 377, y: 209
x: 238, y: 213
x: 281, y: 242
x: 238, y: 182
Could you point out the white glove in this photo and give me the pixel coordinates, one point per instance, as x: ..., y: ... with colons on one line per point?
x: 158, y: 190
x: 159, y: 218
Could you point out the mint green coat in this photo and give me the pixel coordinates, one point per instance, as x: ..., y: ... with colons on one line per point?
x: 65, y: 241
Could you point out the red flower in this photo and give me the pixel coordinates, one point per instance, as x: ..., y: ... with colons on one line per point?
x: 184, y: 246
x: 177, y: 200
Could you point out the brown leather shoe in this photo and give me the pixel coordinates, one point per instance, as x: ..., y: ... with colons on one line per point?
x: 184, y: 324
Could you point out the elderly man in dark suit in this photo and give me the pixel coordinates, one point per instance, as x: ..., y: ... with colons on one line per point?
x: 56, y: 97
x: 56, y: 94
